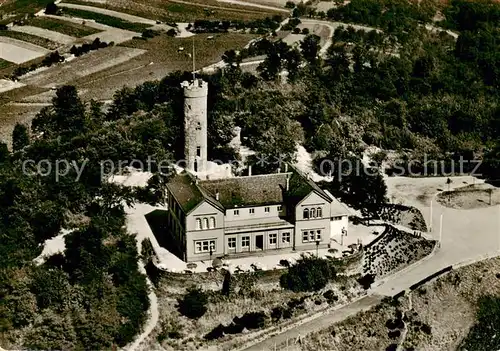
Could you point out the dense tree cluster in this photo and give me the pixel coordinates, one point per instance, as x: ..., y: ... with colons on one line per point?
x: 85, y: 48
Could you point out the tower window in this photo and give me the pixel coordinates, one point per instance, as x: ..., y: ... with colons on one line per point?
x: 195, y: 166
x: 198, y: 151
x: 198, y: 126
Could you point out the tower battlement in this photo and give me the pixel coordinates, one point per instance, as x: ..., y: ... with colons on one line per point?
x: 195, y: 88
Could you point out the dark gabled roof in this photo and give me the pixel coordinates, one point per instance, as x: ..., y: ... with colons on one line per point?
x: 300, y: 186
x: 255, y: 190
x: 258, y: 190
x: 189, y: 194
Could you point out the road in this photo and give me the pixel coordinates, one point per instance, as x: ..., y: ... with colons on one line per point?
x: 467, y: 236
x: 289, y: 337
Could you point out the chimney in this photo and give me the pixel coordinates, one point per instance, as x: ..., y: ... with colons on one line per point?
x: 249, y: 170
x: 279, y: 169
x: 287, y: 183
x: 286, y: 167
x: 217, y: 194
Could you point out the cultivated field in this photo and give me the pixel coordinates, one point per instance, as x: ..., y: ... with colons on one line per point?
x: 45, y: 33
x: 29, y: 38
x: 86, y: 65
x: 182, y: 10
x: 61, y: 26
x: 17, y: 51
x: 161, y: 57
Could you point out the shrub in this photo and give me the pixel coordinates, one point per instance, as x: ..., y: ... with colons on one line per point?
x: 51, y: 9
x: 149, y: 33
x: 234, y: 328
x: 172, y: 32
x: 252, y: 320
x: 426, y: 328
x: 308, y: 274
x: 330, y: 296
x: 366, y: 281
x: 290, y: 5
x: 285, y: 263
x: 277, y: 313
x: 296, y: 30
x: 216, y: 333
x: 146, y: 250
x: 194, y: 304
x: 305, y: 31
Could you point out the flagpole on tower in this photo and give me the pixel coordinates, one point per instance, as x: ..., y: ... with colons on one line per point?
x: 194, y: 64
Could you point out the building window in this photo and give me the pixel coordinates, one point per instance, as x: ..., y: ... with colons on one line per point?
x: 202, y: 246
x: 273, y: 239
x: 311, y: 235
x: 236, y: 212
x: 245, y: 241
x: 312, y: 213
x: 336, y: 218
x: 212, y: 222
x: 251, y: 210
x: 306, y: 213
x: 198, y: 223
x: 305, y: 237
x: 319, y: 212
x: 231, y: 243
x: 280, y: 208
x: 198, y: 126
x: 198, y: 151
x: 285, y: 238
x: 195, y: 166
x: 205, y: 223
x: 266, y: 209
x: 318, y: 234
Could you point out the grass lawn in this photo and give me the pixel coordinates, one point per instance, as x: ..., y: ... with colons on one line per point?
x: 107, y: 20
x: 185, y: 10
x: 29, y: 38
x: 5, y: 63
x: 63, y: 27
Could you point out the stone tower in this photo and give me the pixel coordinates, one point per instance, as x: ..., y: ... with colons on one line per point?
x: 195, y: 124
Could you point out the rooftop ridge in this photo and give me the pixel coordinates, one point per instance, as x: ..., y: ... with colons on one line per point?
x: 247, y: 176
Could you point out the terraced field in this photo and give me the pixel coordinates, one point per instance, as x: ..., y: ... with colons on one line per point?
x: 30, y: 38
x: 182, y: 10
x: 61, y: 26
x: 105, y: 19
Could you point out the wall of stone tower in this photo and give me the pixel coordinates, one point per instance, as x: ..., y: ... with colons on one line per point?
x: 195, y: 124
